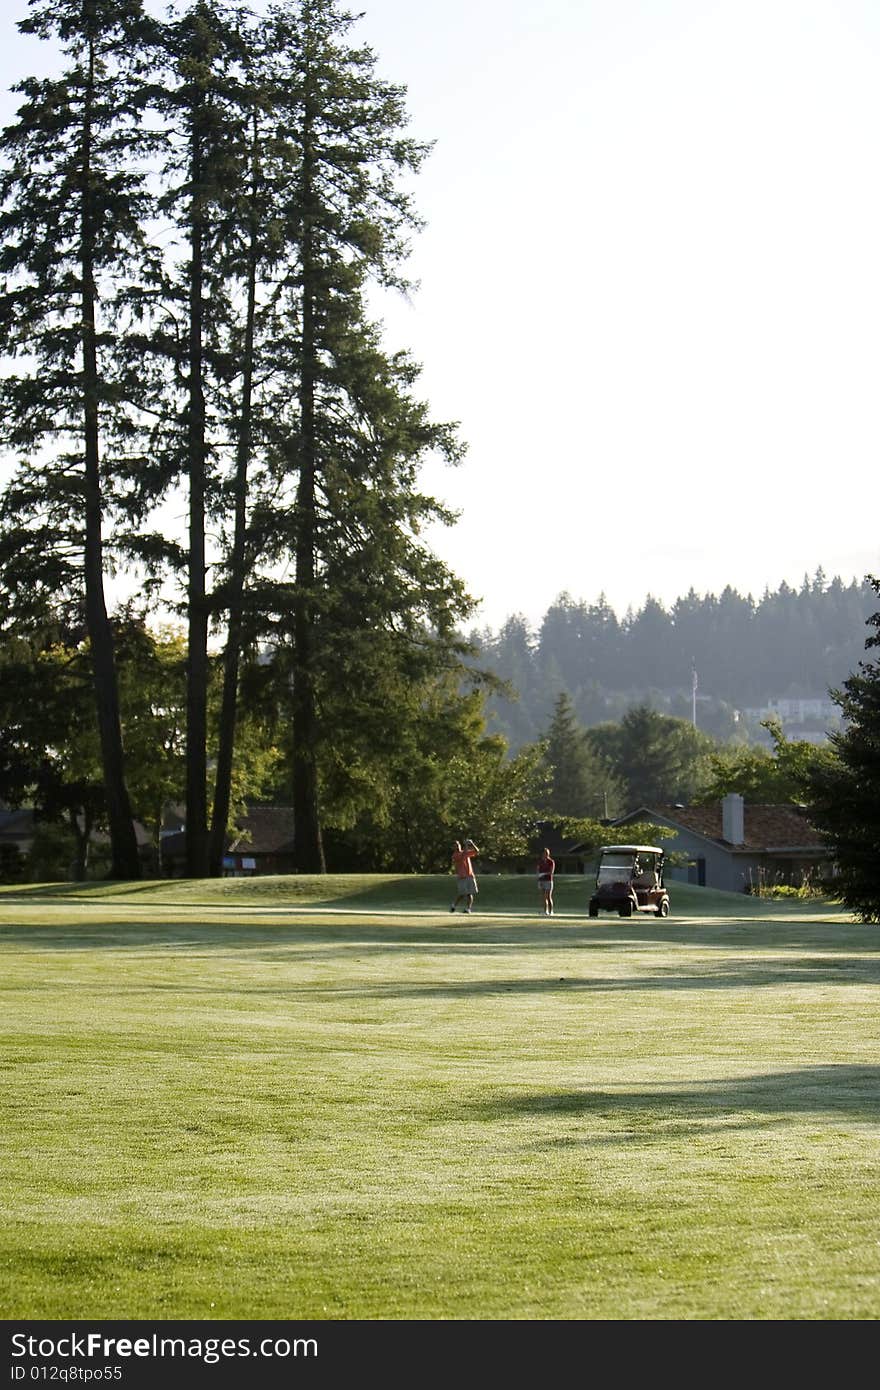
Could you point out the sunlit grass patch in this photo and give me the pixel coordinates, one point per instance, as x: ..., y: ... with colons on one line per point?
x: 226, y: 1104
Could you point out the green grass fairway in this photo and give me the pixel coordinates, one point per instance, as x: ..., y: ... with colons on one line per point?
x: 300, y: 1098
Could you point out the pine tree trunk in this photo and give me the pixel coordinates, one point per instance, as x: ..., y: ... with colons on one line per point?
x: 197, y: 651
x: 125, y: 861
x: 307, y: 840
x: 237, y: 566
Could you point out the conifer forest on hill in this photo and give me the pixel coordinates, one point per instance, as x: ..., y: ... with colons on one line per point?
x: 745, y: 652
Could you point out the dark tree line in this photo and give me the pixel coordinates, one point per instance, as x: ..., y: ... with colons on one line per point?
x: 192, y: 213
x: 790, y: 643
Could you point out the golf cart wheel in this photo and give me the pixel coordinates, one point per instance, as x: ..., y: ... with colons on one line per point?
x: 594, y: 911
x: 626, y: 909
x: 663, y: 909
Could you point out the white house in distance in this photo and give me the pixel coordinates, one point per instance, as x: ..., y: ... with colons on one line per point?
x: 739, y: 847
x: 809, y: 719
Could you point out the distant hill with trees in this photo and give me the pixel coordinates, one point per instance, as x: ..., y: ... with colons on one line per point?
x: 790, y: 643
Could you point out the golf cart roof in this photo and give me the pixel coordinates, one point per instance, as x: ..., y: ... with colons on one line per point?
x: 631, y: 849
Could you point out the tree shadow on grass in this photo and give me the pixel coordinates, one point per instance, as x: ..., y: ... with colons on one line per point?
x: 291, y: 892
x: 398, y: 932
x: 660, y: 1112
x: 809, y: 958
x: 279, y: 925
x: 725, y: 974
x: 95, y: 892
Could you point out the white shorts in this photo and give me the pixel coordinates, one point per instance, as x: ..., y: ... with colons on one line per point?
x: 467, y: 885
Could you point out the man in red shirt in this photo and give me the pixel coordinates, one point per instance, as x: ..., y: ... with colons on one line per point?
x: 546, y: 868
x: 463, y: 869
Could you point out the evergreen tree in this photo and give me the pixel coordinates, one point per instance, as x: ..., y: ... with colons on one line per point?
x: 205, y: 105
x: 581, y: 783
x: 74, y: 260
x: 650, y: 659
x: 741, y: 662
x: 252, y: 248
x: 659, y: 759
x: 581, y: 642
x: 510, y: 657
x: 348, y: 434
x: 844, y: 794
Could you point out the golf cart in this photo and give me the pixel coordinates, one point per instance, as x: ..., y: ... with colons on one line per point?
x: 630, y: 879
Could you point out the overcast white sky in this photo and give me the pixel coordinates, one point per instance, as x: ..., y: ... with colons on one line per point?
x: 649, y: 287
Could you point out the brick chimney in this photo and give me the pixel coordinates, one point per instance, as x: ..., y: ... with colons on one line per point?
x: 733, y: 819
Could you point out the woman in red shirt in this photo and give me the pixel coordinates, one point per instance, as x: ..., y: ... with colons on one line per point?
x: 546, y: 869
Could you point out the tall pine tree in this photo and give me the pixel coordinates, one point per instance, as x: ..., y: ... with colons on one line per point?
x: 581, y: 781
x: 74, y: 261
x: 347, y: 434
x: 205, y: 105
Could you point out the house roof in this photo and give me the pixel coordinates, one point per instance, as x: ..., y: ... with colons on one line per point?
x: 263, y: 830
x: 764, y: 827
